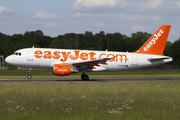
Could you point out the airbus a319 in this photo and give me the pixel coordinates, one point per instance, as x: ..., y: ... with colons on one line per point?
x: 64, y: 62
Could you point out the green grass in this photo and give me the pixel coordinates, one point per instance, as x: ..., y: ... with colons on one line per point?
x: 91, y: 101
x: 22, y: 73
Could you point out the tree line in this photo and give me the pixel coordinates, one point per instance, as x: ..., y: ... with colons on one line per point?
x: 87, y: 40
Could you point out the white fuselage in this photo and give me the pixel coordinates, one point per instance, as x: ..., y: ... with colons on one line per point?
x: 47, y: 58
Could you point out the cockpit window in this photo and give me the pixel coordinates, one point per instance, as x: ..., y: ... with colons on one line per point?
x: 17, y: 53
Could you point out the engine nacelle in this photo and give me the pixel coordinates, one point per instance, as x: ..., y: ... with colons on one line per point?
x: 63, y: 70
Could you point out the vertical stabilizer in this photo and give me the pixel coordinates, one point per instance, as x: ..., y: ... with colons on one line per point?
x: 156, y: 43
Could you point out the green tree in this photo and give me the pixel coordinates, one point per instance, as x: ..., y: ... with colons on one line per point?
x: 33, y: 38
x: 100, y: 41
x: 87, y: 40
x: 138, y: 39
x: 167, y: 50
x: 67, y: 41
x: 175, y: 52
x: 116, y: 42
x: 6, y: 46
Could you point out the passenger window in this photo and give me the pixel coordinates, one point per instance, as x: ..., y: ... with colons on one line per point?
x: 19, y: 54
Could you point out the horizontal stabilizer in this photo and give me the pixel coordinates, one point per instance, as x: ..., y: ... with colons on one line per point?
x: 161, y: 58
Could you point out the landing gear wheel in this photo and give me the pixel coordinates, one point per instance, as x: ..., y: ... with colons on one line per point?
x: 30, y: 72
x: 29, y: 76
x: 84, y: 77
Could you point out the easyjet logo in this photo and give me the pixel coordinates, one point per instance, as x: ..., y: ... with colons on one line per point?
x: 154, y: 39
x: 77, y: 55
x: 62, y: 70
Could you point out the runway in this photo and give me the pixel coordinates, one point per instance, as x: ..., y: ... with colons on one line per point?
x: 92, y: 80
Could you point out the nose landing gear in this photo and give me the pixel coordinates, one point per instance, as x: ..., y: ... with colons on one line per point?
x: 30, y: 72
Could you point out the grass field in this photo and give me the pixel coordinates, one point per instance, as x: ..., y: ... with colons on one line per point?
x: 90, y: 101
x: 158, y: 100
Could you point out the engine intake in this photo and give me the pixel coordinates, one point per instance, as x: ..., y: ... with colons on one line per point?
x: 63, y: 70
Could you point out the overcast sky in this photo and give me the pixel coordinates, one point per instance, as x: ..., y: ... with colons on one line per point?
x: 57, y: 17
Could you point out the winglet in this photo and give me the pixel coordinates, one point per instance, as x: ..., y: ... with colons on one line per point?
x: 156, y: 43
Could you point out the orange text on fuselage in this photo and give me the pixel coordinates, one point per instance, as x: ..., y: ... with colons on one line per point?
x: 63, y: 56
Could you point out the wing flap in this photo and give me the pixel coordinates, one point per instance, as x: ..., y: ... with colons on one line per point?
x: 91, y: 65
x: 98, y: 61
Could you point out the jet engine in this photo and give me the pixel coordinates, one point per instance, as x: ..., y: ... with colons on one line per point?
x: 63, y: 70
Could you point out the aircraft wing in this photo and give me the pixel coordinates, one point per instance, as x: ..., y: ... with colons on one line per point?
x: 90, y: 64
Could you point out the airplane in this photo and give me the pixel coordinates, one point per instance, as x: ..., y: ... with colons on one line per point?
x: 64, y: 62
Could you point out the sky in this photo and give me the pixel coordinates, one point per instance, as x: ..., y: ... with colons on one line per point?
x: 58, y: 17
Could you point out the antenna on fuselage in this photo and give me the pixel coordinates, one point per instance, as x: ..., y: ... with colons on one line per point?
x: 33, y: 47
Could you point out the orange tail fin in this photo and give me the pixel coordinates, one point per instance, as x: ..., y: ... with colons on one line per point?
x: 156, y: 43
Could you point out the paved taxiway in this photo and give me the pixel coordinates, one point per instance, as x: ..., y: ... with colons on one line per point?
x: 78, y: 80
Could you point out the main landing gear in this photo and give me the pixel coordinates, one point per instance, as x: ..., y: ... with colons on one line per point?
x: 30, y: 72
x: 84, y: 77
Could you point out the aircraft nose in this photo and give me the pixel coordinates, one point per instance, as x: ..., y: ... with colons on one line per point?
x: 8, y: 59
